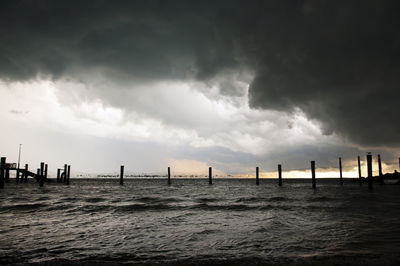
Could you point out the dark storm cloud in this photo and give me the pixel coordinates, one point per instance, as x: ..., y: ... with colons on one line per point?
x: 336, y: 60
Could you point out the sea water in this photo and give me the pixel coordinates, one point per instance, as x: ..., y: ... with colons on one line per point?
x: 232, y: 222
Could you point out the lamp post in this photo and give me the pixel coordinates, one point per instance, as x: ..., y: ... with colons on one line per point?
x: 19, y: 154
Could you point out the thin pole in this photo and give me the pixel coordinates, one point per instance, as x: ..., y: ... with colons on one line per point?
x: 369, y: 170
x: 313, y: 174
x: 280, y: 174
x: 380, y: 170
x: 257, y: 178
x: 41, y: 173
x: 69, y: 174
x: 121, y: 175
x: 359, y: 171
x: 19, y: 155
x: 169, y: 176
x: 2, y: 166
x: 340, y: 170
x: 210, y: 175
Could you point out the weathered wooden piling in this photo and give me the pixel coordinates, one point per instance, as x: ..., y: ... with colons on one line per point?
x: 121, y: 175
x: 369, y: 170
x: 68, y: 175
x: 210, y: 175
x: 279, y: 175
x: 41, y: 174
x: 17, y: 175
x: 381, y: 182
x: 64, y: 177
x: 169, y: 176
x: 340, y: 170
x: 26, y: 173
x: 359, y: 171
x: 45, y: 171
x: 2, y: 166
x: 58, y: 175
x: 257, y: 177
x: 313, y: 174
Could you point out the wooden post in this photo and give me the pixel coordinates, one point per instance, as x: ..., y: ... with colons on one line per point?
x: 369, y: 169
x: 2, y: 166
x: 17, y: 176
x: 26, y: 173
x: 381, y: 182
x: 359, y: 171
x: 45, y: 171
x: 41, y: 173
x: 58, y: 175
x: 121, y: 175
x: 257, y: 178
x: 63, y: 179
x: 313, y: 174
x: 37, y: 175
x: 210, y: 175
x: 340, y: 170
x: 169, y: 176
x: 67, y: 177
x: 279, y: 175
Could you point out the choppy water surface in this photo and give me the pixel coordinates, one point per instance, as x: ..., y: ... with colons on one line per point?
x: 231, y: 222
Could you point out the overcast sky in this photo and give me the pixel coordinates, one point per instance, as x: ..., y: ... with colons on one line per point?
x: 191, y: 84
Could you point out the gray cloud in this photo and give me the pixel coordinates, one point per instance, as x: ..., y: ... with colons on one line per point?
x: 338, y: 61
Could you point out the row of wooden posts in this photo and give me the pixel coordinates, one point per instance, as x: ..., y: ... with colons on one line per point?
x: 313, y: 178
x: 40, y: 176
x: 64, y: 177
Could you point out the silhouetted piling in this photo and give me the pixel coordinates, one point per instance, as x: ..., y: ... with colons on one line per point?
x: 17, y: 176
x: 58, y: 175
x: 2, y: 166
x: 68, y: 176
x: 359, y: 171
x: 210, y: 175
x: 64, y: 177
x: 257, y: 177
x: 121, y: 175
x: 340, y: 171
x: 280, y: 175
x: 26, y: 173
x: 313, y: 174
x: 381, y: 182
x: 45, y: 171
x: 41, y: 174
x: 169, y: 176
x: 369, y: 170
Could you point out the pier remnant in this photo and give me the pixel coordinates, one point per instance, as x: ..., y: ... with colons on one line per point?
x: 257, y: 177
x: 359, y: 170
x: 340, y: 170
x: 169, y: 176
x: 2, y: 166
x: 41, y: 174
x: 313, y: 174
x: 17, y: 176
x: 381, y: 182
x: 68, y: 175
x: 58, y: 175
x: 210, y: 175
x: 64, y: 175
x: 280, y: 175
x: 26, y: 173
x: 369, y: 170
x: 45, y: 170
x: 121, y: 175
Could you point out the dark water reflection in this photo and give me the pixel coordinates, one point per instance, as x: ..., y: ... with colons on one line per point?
x: 190, y: 222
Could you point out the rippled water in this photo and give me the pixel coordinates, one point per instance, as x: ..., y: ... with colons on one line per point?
x: 231, y: 222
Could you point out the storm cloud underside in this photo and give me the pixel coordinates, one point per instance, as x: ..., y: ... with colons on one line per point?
x: 336, y: 61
